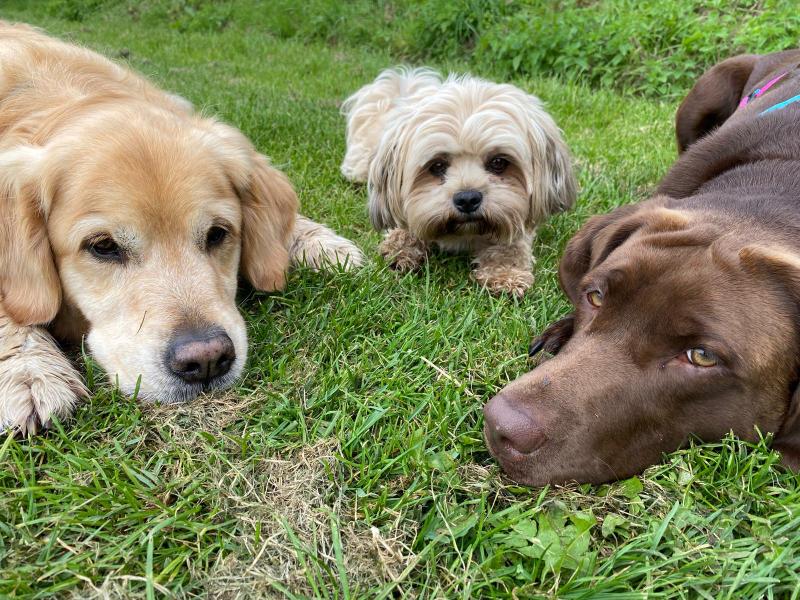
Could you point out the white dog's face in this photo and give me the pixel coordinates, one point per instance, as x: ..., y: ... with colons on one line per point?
x: 146, y: 229
x: 466, y: 194
x: 469, y: 158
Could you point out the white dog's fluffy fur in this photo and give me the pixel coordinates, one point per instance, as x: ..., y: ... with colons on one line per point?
x: 418, y: 141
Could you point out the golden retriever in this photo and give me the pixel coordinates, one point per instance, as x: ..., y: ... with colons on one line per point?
x: 126, y: 219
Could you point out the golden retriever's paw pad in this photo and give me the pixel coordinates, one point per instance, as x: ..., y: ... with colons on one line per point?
x: 37, y: 382
x: 319, y: 247
x: 503, y: 280
x: 403, y: 251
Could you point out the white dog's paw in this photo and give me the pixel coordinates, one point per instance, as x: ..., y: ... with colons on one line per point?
x: 318, y: 247
x: 355, y: 166
x: 503, y: 280
x: 403, y: 251
x: 36, y: 382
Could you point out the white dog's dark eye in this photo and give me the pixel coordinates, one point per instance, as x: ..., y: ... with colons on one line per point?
x: 105, y: 248
x: 437, y: 168
x: 215, y: 236
x: 497, y: 165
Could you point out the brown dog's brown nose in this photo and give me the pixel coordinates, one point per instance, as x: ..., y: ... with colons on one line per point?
x: 512, y: 426
x: 201, y: 355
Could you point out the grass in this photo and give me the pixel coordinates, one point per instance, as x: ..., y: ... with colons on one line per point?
x: 349, y: 462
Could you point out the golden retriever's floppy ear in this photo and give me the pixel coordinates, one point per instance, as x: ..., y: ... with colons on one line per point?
x: 785, y: 266
x: 30, y: 290
x: 269, y: 209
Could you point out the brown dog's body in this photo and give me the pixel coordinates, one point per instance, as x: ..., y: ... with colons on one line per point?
x: 686, y: 305
x: 126, y: 217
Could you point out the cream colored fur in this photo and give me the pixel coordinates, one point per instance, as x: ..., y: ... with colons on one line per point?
x: 37, y: 381
x: 91, y: 153
x: 407, y: 120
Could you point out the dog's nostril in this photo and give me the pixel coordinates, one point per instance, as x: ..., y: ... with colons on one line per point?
x: 468, y: 201
x: 201, y: 355
x: 508, y: 425
x: 193, y: 367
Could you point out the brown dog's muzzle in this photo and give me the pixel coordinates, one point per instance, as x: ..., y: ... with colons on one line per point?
x: 511, y: 429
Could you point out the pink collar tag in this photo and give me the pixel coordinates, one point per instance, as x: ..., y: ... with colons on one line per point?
x: 758, y: 91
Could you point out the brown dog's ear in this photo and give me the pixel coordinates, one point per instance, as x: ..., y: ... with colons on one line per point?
x: 597, y: 237
x: 713, y: 99
x: 784, y: 265
x: 269, y: 208
x: 603, y: 234
x: 553, y: 338
x: 30, y: 290
x: 787, y: 440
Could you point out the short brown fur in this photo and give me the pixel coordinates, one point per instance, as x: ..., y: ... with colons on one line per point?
x: 711, y: 262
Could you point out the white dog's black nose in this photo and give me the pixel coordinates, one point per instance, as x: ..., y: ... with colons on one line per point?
x: 201, y: 355
x: 468, y: 201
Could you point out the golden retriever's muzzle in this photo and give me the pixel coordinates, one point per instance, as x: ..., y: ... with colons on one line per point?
x: 201, y: 356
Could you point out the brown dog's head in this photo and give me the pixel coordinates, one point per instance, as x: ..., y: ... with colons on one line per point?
x: 131, y: 230
x: 682, y: 327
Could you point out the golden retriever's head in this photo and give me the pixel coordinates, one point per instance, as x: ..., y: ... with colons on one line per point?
x: 132, y: 231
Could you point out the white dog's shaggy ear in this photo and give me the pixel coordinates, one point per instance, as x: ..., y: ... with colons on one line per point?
x: 383, y: 185
x: 269, y: 209
x: 30, y: 290
x: 554, y: 186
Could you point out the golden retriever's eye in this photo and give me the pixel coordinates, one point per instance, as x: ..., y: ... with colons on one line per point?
x: 700, y: 357
x: 437, y: 167
x: 497, y: 165
x: 215, y: 236
x: 105, y: 248
x: 595, y: 298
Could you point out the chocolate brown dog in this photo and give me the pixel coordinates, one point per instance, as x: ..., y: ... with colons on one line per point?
x: 687, y: 305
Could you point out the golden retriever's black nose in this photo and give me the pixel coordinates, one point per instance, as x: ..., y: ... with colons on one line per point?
x: 467, y: 201
x: 510, y: 426
x: 200, y: 356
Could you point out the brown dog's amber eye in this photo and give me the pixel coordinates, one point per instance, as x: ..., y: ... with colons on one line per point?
x: 497, y: 165
x: 215, y: 236
x: 700, y: 357
x: 595, y: 298
x: 437, y: 168
x: 105, y: 248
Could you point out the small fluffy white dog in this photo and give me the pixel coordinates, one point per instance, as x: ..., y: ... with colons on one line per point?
x: 463, y: 164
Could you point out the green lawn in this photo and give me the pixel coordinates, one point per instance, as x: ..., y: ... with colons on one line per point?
x: 350, y: 462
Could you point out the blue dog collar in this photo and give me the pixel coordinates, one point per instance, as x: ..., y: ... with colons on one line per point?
x: 780, y: 105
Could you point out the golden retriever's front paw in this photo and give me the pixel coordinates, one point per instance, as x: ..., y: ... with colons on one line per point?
x: 403, y: 251
x: 504, y: 280
x: 36, y: 383
x: 318, y: 247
